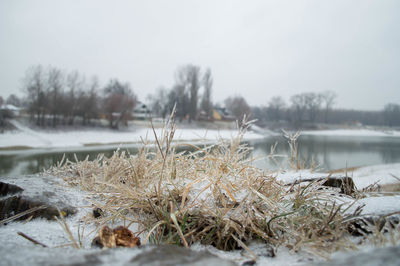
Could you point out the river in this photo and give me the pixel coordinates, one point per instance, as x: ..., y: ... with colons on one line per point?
x: 328, y: 152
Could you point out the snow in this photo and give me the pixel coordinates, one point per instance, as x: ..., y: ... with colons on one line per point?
x: 363, y: 176
x: 283, y: 255
x: 353, y: 132
x: 19, y: 251
x: 27, y: 137
x: 378, y: 205
x: 51, y: 233
x: 291, y: 176
x: 379, y: 174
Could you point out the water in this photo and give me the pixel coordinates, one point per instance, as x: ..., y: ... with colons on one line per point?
x: 327, y: 151
x: 332, y: 152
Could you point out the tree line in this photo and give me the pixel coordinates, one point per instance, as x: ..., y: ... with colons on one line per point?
x: 54, y: 97
x: 310, y: 108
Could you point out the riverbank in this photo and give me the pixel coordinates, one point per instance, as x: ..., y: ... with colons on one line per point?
x: 363, y: 132
x: 27, y: 138
x: 386, y: 177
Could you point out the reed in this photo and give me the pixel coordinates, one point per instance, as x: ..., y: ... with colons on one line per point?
x: 212, y: 195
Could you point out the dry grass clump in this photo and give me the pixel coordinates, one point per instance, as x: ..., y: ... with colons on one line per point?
x: 211, y: 195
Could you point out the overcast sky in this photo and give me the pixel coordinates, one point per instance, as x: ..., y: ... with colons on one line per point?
x: 257, y: 49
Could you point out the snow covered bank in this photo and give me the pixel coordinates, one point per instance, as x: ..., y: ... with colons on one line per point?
x: 377, y: 174
x: 363, y: 177
x: 57, y: 139
x: 17, y: 250
x: 353, y: 132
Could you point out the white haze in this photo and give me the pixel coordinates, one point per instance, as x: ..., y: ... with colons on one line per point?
x: 258, y: 49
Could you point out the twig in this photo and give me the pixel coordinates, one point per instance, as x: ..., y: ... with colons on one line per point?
x: 398, y: 179
x: 31, y: 239
x: 19, y: 215
x: 242, y: 245
x: 64, y: 225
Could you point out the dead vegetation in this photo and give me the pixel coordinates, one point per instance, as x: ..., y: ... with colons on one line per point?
x: 212, y: 195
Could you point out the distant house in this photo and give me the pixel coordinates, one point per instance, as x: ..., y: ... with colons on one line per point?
x: 222, y: 114
x: 9, y: 110
x: 202, y: 116
x: 141, y: 112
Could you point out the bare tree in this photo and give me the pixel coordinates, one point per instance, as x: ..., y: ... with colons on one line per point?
x: 391, y: 114
x: 188, y: 78
x: 206, y: 102
x: 179, y: 96
x: 92, y: 101
x: 55, y: 89
x: 299, y: 107
x: 276, y: 108
x: 14, y: 100
x: 238, y: 106
x: 119, y: 102
x: 1, y: 113
x: 158, y: 102
x: 34, y: 85
x: 313, y: 104
x: 328, y: 99
x: 75, y: 83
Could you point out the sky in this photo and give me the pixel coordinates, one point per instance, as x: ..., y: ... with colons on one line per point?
x: 256, y: 49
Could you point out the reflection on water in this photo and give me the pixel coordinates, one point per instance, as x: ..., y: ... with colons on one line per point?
x: 29, y: 163
x: 329, y: 152
x: 332, y: 152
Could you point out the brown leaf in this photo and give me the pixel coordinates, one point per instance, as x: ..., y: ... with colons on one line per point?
x: 107, y: 237
x: 125, y: 238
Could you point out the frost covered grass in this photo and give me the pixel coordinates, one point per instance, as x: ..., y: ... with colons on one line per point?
x: 211, y: 195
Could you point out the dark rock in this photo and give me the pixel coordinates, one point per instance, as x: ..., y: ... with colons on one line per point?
x: 249, y: 263
x: 346, y: 184
x: 369, y: 224
x: 7, y: 189
x: 176, y: 255
x: 30, y: 196
x: 13, y: 205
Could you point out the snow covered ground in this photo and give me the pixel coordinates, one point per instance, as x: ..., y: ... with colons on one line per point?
x: 353, y: 132
x: 53, y: 235
x: 26, y: 137
x: 376, y: 174
x: 363, y: 177
x: 17, y: 251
